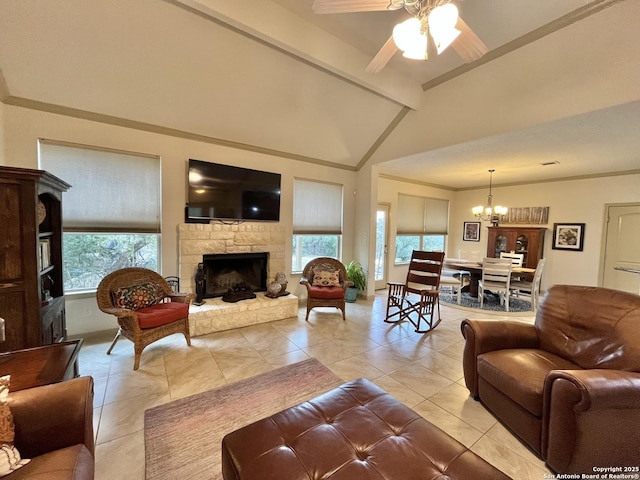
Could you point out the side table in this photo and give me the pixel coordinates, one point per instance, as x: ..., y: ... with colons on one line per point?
x: 38, y: 366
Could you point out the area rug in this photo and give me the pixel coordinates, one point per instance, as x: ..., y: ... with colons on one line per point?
x: 491, y: 302
x: 183, y: 438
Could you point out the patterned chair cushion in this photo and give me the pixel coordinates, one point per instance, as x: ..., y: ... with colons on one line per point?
x: 136, y: 297
x: 325, y: 278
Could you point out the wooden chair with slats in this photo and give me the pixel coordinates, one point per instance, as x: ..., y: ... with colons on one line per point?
x: 417, y: 298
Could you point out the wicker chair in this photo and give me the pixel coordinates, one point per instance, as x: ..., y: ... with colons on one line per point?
x: 164, y: 315
x: 330, y: 295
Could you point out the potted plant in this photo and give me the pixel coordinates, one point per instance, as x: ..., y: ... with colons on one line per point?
x: 358, y: 277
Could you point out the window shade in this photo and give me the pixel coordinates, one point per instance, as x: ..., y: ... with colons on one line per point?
x: 317, y: 208
x: 422, y: 216
x: 110, y: 191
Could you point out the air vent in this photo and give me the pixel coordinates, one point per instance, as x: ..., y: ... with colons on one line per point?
x: 545, y: 164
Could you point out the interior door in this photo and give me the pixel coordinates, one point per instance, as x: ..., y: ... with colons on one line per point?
x: 621, y: 251
x: 382, y: 240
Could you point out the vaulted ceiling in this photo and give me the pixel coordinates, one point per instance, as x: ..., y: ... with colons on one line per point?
x: 559, y: 84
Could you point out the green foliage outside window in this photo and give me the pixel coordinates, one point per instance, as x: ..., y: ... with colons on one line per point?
x: 406, y: 244
x: 88, y: 258
x: 308, y: 247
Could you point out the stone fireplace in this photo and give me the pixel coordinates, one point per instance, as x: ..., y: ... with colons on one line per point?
x: 195, y: 241
x: 224, y: 271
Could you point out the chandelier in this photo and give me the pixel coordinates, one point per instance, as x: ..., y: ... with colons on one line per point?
x: 489, y: 213
x: 437, y: 17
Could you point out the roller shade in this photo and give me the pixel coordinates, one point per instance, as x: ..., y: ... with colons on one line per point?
x: 111, y: 191
x: 317, y: 208
x: 422, y: 216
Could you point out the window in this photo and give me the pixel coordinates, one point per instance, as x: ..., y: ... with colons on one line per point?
x: 111, y: 213
x: 317, y: 221
x: 422, y: 225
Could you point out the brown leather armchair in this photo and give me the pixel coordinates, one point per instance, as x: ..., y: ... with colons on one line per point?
x: 54, y: 428
x: 569, y: 385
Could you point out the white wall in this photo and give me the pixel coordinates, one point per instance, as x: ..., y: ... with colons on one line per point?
x: 574, y: 201
x: 23, y: 127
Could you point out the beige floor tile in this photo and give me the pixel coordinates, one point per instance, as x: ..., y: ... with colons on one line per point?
x: 288, y: 358
x: 500, y: 456
x: 412, y: 348
x: 122, y: 458
x: 461, y: 431
x: 500, y: 434
x: 456, y: 400
x: 385, y: 359
x: 126, y: 416
x: 328, y: 352
x: 420, y: 379
x: 398, y: 390
x: 355, y: 367
x: 442, y: 365
x: 134, y: 384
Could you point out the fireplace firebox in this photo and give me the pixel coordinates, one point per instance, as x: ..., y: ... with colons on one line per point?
x: 232, y: 270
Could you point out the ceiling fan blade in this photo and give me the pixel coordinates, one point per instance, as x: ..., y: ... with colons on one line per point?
x: 382, y: 57
x: 347, y: 6
x: 468, y: 45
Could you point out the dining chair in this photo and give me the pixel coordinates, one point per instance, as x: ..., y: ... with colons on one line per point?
x: 517, y: 259
x: 496, y: 278
x: 454, y: 281
x: 532, y: 288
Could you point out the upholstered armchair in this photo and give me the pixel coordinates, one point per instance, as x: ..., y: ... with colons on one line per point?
x: 326, y: 282
x: 569, y: 385
x: 145, y: 306
x: 54, y: 429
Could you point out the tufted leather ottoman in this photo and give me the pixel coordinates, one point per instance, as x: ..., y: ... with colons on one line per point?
x: 356, y: 431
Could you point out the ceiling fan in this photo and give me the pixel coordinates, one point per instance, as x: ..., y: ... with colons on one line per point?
x: 437, y: 18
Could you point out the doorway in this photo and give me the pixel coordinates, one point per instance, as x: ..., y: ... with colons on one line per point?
x: 620, y: 248
x: 382, y: 240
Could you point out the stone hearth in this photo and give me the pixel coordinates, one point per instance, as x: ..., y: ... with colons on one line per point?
x: 197, y: 240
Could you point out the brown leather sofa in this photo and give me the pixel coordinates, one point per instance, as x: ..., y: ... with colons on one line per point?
x: 54, y: 428
x: 569, y: 385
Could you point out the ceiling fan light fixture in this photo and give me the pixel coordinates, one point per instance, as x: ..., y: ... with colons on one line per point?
x: 418, y: 50
x: 407, y: 34
x: 442, y: 26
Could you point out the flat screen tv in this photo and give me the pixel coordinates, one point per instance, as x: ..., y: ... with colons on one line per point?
x: 225, y: 192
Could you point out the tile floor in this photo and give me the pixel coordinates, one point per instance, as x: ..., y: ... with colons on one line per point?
x: 422, y: 370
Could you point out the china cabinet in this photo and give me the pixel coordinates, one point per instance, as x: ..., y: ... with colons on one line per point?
x: 526, y: 240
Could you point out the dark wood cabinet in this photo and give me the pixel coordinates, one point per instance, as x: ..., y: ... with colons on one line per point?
x: 31, y: 281
x: 526, y: 240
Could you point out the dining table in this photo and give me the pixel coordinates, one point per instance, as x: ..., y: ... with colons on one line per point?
x: 475, y: 272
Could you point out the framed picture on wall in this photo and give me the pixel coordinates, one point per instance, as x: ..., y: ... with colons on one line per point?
x: 471, y: 232
x: 568, y: 236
